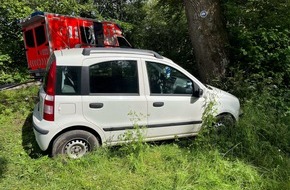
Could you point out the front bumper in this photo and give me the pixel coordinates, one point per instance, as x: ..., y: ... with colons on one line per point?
x: 241, y: 113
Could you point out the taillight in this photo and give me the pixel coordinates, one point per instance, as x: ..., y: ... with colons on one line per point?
x: 48, y: 110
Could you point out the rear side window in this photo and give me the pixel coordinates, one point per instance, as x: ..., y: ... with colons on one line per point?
x: 87, y: 35
x: 114, y: 77
x: 29, y: 39
x: 123, y: 42
x: 68, y: 80
x: 40, y: 35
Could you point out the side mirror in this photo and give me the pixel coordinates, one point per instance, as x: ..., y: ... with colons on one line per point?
x: 197, y: 92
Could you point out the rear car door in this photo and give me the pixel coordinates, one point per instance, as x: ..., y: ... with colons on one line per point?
x: 115, y: 99
x: 36, y: 45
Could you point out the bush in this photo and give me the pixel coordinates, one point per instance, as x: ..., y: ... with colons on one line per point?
x: 261, y: 138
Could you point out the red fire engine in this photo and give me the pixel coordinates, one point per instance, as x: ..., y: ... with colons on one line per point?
x: 46, y: 32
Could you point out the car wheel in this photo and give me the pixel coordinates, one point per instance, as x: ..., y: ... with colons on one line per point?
x: 74, y: 144
x: 224, y: 121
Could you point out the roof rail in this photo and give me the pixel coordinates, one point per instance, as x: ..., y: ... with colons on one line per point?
x: 88, y: 51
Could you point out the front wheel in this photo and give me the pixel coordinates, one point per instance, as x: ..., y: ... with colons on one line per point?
x: 224, y: 121
x: 74, y: 144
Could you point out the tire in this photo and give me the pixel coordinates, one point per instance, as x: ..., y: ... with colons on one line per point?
x: 224, y: 121
x: 74, y: 144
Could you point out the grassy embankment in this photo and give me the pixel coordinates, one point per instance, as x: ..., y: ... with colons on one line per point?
x: 253, y: 155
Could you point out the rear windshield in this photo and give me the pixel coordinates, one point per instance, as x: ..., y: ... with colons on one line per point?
x: 40, y: 35
x: 29, y: 39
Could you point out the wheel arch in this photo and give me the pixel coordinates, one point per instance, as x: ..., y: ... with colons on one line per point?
x: 72, y: 128
x: 226, y: 113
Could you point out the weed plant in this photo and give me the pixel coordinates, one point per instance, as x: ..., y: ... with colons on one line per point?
x: 134, y: 147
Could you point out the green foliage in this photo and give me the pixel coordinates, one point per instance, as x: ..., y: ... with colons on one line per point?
x: 4, y: 59
x: 160, y: 26
x: 17, y: 103
x: 260, y: 46
x: 134, y: 146
x: 255, y: 14
x: 263, y: 57
x: 12, y: 53
x: 66, y: 7
x: 261, y: 138
x: 208, y: 130
x: 265, y: 124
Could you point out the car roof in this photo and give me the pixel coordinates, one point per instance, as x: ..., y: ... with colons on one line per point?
x: 75, y: 56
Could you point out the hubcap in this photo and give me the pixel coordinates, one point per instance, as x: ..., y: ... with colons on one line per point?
x: 76, y: 148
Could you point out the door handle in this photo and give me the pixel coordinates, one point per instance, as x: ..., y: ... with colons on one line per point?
x: 96, y: 105
x: 158, y: 104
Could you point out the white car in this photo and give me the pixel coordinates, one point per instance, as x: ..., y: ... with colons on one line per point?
x: 92, y: 96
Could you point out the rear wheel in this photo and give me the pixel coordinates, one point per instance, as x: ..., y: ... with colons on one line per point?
x: 74, y: 144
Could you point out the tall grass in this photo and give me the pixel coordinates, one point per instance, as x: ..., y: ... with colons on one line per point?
x: 261, y: 138
x: 252, y: 155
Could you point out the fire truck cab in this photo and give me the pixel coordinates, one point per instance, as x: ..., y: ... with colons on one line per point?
x: 45, y: 32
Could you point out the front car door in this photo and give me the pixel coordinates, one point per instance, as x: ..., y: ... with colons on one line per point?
x: 172, y: 110
x: 116, y: 96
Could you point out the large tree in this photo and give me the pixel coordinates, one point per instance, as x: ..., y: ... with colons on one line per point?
x: 208, y: 36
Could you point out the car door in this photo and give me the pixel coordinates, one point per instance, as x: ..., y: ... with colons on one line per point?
x: 116, y: 96
x: 172, y: 109
x: 36, y: 44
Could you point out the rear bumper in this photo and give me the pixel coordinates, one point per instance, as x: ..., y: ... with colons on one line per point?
x: 41, y: 130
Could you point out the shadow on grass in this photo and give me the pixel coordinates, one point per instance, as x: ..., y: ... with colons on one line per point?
x: 28, y: 140
x: 3, y: 167
x: 121, y: 149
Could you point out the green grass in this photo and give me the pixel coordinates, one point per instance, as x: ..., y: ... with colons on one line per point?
x: 252, y: 155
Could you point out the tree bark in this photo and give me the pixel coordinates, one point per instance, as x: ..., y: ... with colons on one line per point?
x: 209, y: 38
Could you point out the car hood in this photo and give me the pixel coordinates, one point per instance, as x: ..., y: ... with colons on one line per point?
x: 220, y: 93
x: 225, y: 102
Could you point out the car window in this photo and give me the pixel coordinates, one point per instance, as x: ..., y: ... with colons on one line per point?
x: 40, y: 35
x: 68, y: 80
x: 164, y: 79
x: 87, y: 35
x: 114, y: 77
x: 29, y: 39
x: 123, y: 42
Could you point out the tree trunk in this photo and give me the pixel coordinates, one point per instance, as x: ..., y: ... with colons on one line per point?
x: 209, y: 38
